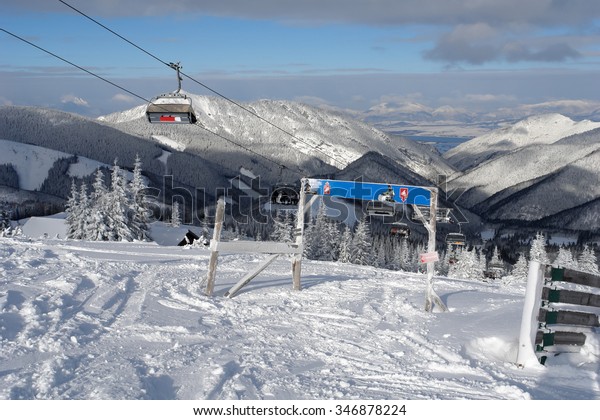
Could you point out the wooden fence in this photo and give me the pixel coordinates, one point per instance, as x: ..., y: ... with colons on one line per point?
x: 559, y: 312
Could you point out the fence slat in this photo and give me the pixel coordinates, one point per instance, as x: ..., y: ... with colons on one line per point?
x: 568, y: 318
x: 575, y: 277
x: 571, y: 296
x: 558, y: 338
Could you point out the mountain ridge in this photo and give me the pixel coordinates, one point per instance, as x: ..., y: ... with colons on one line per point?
x: 506, y: 174
x: 531, y: 171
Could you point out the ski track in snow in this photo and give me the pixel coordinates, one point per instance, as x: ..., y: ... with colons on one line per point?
x: 130, y: 321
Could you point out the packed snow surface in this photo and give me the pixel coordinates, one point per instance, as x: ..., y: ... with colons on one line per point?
x: 99, y: 320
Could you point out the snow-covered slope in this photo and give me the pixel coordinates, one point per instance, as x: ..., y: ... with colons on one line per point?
x: 32, y: 163
x: 82, y: 320
x: 75, y: 135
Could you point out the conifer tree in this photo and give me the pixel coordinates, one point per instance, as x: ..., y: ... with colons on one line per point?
x: 345, y: 244
x: 467, y: 266
x: 564, y: 259
x: 321, y: 238
x: 73, y: 212
x: 520, y: 270
x: 587, y: 261
x: 84, y: 219
x: 361, y: 251
x: 118, y: 207
x: 538, y: 249
x: 175, y: 215
x: 5, y: 227
x: 403, y: 255
x: 97, y: 229
x: 310, y: 240
x: 139, y: 211
x: 283, y: 227
x: 442, y: 265
x: 380, y: 260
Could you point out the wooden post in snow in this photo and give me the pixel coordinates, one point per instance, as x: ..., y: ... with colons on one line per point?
x: 431, y: 297
x: 299, y: 232
x: 214, y: 255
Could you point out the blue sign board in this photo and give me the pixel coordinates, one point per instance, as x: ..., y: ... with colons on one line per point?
x: 399, y: 194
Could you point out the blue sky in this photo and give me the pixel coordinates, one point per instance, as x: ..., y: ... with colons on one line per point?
x: 478, y: 55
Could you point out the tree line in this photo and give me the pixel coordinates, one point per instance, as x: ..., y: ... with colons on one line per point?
x: 118, y: 211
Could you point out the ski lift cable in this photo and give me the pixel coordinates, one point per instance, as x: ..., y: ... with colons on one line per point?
x: 204, y: 85
x: 91, y: 73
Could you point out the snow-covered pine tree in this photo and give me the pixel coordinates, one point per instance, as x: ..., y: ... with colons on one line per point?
x: 479, y: 265
x: 345, y: 244
x: 379, y: 248
x: 5, y: 228
x: 495, y: 260
x: 467, y: 266
x: 587, y: 261
x: 139, y: 208
x: 333, y: 240
x: 564, y: 259
x: 84, y: 219
x: 403, y: 255
x: 73, y: 212
x: 282, y: 231
x: 520, y: 269
x: 321, y: 238
x: 118, y: 207
x: 310, y: 242
x: 443, y: 265
x: 97, y: 228
x: 361, y: 251
x: 175, y: 215
x: 538, y: 249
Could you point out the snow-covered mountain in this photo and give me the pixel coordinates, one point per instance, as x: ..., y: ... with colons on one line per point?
x: 228, y: 141
x: 537, y: 130
x: 406, y: 117
x: 306, y: 139
x: 532, y: 171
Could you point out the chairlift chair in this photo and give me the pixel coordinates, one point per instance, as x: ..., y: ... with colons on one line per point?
x: 455, y: 242
x: 379, y: 208
x: 171, y: 108
x: 285, y: 194
x: 443, y: 215
x: 400, y: 229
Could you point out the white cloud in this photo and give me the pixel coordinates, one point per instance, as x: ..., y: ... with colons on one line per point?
x: 121, y: 97
x: 75, y: 100
x: 488, y: 97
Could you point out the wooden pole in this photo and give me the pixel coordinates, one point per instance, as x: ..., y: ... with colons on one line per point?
x: 214, y: 255
x: 297, y: 258
x: 248, y: 277
x: 432, y: 297
x: 431, y: 229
